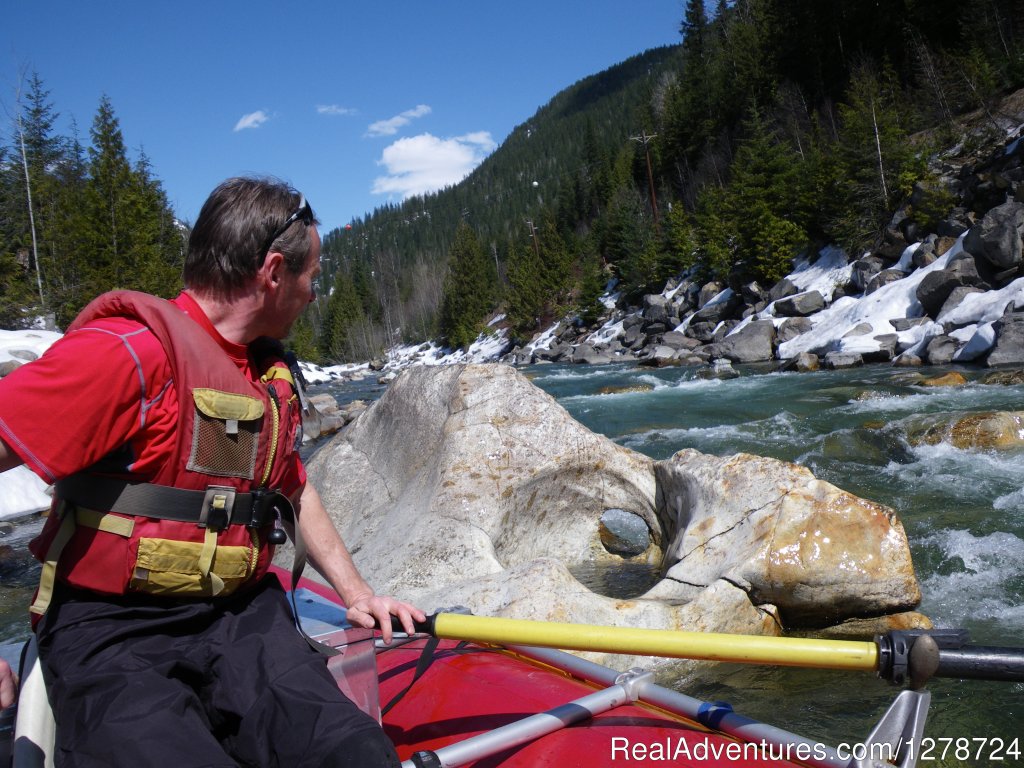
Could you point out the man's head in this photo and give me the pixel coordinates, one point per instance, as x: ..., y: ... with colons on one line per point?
x: 243, y: 220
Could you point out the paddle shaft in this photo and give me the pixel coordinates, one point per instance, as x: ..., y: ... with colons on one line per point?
x: 704, y: 646
x: 912, y: 656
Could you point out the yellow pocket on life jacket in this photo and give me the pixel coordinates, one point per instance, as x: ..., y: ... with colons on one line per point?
x: 166, y: 567
x: 225, y: 436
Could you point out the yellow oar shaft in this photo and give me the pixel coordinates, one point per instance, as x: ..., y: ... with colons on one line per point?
x: 707, y: 646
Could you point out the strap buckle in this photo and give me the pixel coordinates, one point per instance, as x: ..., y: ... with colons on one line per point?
x: 267, y: 506
x: 217, y: 506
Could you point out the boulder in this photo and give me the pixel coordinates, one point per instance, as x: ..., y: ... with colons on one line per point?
x: 993, y: 430
x: 791, y: 328
x: 467, y: 484
x: 656, y: 308
x: 678, y: 340
x: 807, y: 362
x: 1009, y: 346
x: 800, y: 305
x: 901, y: 324
x: 719, y: 310
x: 888, y: 344
x: 509, y: 476
x: 955, y: 298
x: 883, y: 278
x: 750, y: 344
x: 785, y: 537
x: 7, y: 366
x: 702, y: 332
x: 782, y: 289
x: 719, y: 369
x: 862, y: 270
x: 837, y: 360
x: 659, y: 356
x: 587, y: 355
x: 997, y: 238
x: 951, y: 379
x: 941, y: 349
x: 1004, y: 378
x: 708, y: 291
x: 937, y: 286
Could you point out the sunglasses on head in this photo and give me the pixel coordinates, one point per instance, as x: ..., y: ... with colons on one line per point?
x: 303, y: 212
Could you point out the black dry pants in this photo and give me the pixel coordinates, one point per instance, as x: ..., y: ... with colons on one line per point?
x: 140, y: 682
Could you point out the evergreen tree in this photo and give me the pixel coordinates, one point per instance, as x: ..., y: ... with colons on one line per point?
x: 525, y: 295
x: 110, y: 179
x: 343, y: 318
x: 880, y: 166
x: 130, y: 233
x: 469, y: 289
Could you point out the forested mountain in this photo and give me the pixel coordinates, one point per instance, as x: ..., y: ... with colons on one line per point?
x: 775, y: 125
x: 78, y: 220
x: 555, y: 164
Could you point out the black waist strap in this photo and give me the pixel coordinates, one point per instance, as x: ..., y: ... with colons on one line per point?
x: 216, y: 507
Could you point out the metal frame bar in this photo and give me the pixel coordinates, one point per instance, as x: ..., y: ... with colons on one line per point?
x: 623, y: 691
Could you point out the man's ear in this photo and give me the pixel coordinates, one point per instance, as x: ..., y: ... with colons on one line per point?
x: 272, y: 269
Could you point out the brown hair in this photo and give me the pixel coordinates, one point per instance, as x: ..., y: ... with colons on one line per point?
x: 231, y: 237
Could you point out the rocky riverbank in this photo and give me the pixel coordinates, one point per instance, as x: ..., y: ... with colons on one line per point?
x: 932, y: 291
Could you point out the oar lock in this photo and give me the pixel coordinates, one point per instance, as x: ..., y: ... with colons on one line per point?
x: 913, y: 656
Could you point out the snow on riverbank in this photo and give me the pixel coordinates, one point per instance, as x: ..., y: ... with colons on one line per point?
x: 21, y: 492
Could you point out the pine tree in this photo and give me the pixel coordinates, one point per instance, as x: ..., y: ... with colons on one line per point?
x: 344, y: 316
x: 469, y: 289
x: 525, y: 295
x: 880, y: 166
x: 131, y: 236
x: 110, y: 179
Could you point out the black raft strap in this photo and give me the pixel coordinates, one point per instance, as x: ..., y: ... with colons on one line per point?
x: 426, y: 659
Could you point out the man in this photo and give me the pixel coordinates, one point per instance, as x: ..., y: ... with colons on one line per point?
x: 168, y: 430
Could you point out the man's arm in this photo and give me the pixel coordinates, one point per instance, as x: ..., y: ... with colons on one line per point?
x: 329, y: 555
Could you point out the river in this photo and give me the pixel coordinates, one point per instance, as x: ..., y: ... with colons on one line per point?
x: 963, y: 511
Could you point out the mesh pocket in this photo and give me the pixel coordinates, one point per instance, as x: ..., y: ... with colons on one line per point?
x: 216, y: 452
x: 225, y: 437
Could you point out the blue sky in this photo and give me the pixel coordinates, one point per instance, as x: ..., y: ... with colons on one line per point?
x: 355, y: 103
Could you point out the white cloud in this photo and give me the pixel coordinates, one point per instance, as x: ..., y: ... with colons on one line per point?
x: 390, y: 126
x: 252, y: 120
x: 333, y: 109
x: 420, y: 164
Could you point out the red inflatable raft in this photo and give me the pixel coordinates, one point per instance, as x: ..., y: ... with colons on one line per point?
x: 453, y: 704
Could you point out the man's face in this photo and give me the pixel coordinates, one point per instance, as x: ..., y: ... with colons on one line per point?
x: 297, y: 290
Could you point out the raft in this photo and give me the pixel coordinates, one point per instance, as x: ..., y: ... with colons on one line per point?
x: 448, y: 703
x: 458, y: 703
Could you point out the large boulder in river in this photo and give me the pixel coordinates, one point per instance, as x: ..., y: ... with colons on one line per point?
x: 469, y: 485
x: 813, y: 550
x: 461, y: 472
x: 750, y: 344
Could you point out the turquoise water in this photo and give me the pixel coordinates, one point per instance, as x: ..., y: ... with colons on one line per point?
x: 963, y: 511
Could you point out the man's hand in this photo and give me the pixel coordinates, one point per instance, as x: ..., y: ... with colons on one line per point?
x: 376, y: 610
x: 8, y: 685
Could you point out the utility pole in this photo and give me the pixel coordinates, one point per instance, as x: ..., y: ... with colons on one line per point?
x: 645, y: 139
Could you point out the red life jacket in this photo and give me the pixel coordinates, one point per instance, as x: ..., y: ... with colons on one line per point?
x: 234, y: 443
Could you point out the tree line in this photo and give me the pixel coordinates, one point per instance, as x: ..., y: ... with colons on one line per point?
x: 78, y: 219
x: 776, y: 126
